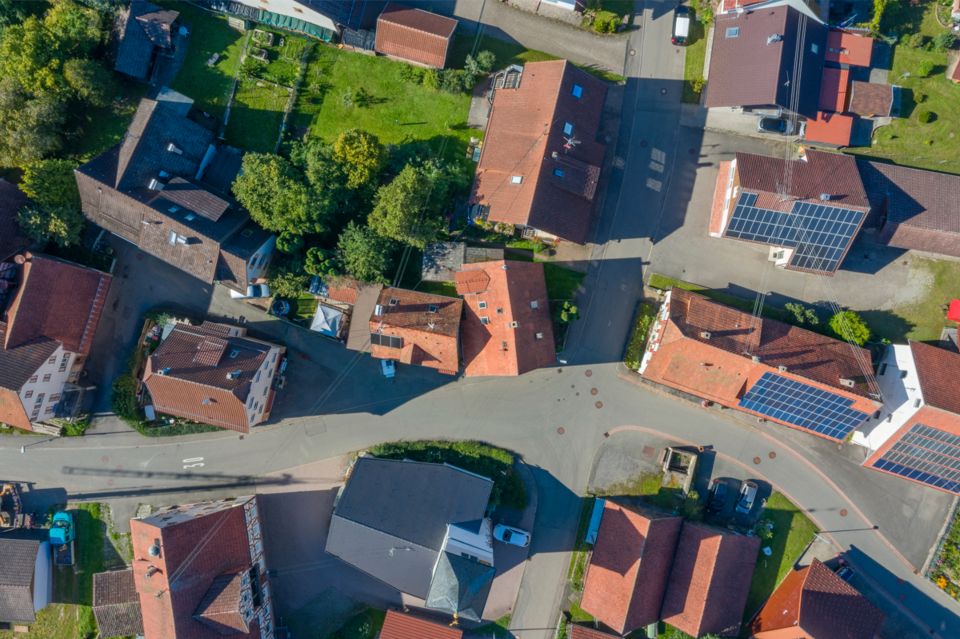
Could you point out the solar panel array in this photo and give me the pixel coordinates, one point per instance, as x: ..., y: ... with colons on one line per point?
x: 390, y: 341
x: 926, y: 455
x: 819, y: 233
x: 803, y: 405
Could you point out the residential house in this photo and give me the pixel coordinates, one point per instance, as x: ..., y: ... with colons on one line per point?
x: 507, y: 328
x: 435, y: 514
x: 165, y: 188
x: 399, y: 625
x: 199, y: 571
x: 540, y: 163
x: 442, y: 260
x: 11, y: 239
x: 417, y: 328
x: 814, y: 603
x: 117, y: 604
x: 917, y: 434
x: 808, y: 211
x: 145, y: 32
x: 49, y: 313
x: 214, y: 374
x: 709, y: 581
x: 414, y: 35
x: 778, y: 372
x: 323, y: 19
x: 26, y: 580
x: 757, y: 54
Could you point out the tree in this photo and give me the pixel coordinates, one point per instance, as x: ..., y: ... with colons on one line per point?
x: 943, y: 41
x: 362, y: 156
x: 276, y: 194
x: 60, y: 225
x: 364, y: 254
x: 51, y: 183
x: 287, y: 277
x: 75, y: 30
x: 849, y: 326
x: 320, y: 261
x: 486, y: 61
x: 801, y: 314
x: 90, y: 81
x: 30, y: 129
x: 569, y: 312
x: 402, y: 210
x: 289, y: 243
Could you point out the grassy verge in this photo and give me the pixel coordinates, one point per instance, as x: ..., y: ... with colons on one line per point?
x: 562, y: 285
x: 694, y: 56
x: 438, y: 288
x: 646, y: 314
x: 498, y: 629
x: 581, y: 549
x: 476, y: 457
x: 792, y: 533
x: 365, y: 624
x: 945, y: 570
x: 256, y: 115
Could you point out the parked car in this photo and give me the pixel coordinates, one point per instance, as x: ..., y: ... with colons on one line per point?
x: 782, y: 126
x: 253, y: 291
x: 511, y: 535
x: 748, y: 494
x: 718, y: 496
x: 681, y: 26
x: 389, y: 368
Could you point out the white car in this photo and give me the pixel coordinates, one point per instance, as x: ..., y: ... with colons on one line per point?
x: 389, y: 368
x: 253, y: 291
x: 511, y: 535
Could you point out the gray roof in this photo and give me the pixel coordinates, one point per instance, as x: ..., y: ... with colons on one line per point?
x: 460, y: 586
x: 18, y: 559
x: 116, y: 604
x: 223, y: 168
x: 915, y: 197
x: 392, y: 516
x: 18, y: 364
x: 441, y: 260
x: 142, y: 27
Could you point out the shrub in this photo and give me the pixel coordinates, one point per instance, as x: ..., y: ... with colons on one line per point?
x: 801, y: 314
x: 926, y: 117
x: 431, y: 79
x: 919, y: 98
x: 124, y: 400
x: 879, y: 6
x: 924, y: 68
x: 456, y: 81
x: 697, y: 85
x: 569, y: 312
x: 641, y: 331
x: 944, y: 41
x: 503, y: 228
x: 704, y: 11
x: 411, y: 73
x: 915, y: 40
x: 849, y: 326
x: 606, y: 22
x: 486, y: 60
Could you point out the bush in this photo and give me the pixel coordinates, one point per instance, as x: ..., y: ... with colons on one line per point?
x: 704, y: 11
x: 486, y: 60
x: 944, y: 41
x: 849, y: 326
x: 456, y: 81
x: 569, y: 312
x: 879, y: 6
x: 697, y: 85
x: 431, y: 79
x: 606, y: 22
x: 124, y: 400
x: 504, y: 228
x: 915, y: 40
x: 411, y: 73
x: 801, y: 314
x: 924, y: 68
x: 925, y: 117
x: 646, y: 314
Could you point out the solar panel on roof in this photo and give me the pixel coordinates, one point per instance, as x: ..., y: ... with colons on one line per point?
x: 390, y: 341
x: 819, y: 234
x: 926, y: 455
x: 803, y: 405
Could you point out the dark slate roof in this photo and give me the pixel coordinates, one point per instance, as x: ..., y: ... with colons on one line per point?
x: 143, y: 26
x: 11, y: 201
x: 818, y: 172
x: 913, y: 197
x: 223, y: 169
x: 460, y: 586
x: 18, y: 364
x: 17, y: 564
x: 158, y: 26
x: 116, y: 605
x: 746, y: 70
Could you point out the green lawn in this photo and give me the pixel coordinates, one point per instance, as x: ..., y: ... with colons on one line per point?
x: 908, y: 141
x: 365, y: 624
x: 578, y: 558
x: 694, y: 56
x: 793, y: 532
x: 438, y: 288
x: 562, y: 283
x: 256, y: 115
x: 923, y: 320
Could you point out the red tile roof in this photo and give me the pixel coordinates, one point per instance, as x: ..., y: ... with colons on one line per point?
x: 710, y: 580
x: 821, y: 172
x: 733, y: 5
x: 938, y: 371
x: 198, y: 544
x: 849, y: 47
x: 834, y: 129
x: 815, y: 603
x: 398, y: 625
x: 57, y: 300
x: 415, y: 35
x: 630, y: 566
x: 525, y: 138
x: 518, y: 335
x: 583, y: 632
x: 833, y: 90
x: 428, y: 325
x: 870, y: 99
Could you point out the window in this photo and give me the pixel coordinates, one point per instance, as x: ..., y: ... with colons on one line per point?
x: 732, y: 32
x: 483, y: 320
x: 481, y: 304
x: 48, y: 410
x: 534, y: 304
x: 432, y: 308
x: 46, y: 377
x: 558, y: 172
x: 394, y: 301
x: 176, y: 238
x: 52, y: 359
x: 28, y: 394
x: 55, y: 397
x: 33, y: 380
x: 814, y: 48
x: 34, y: 415
x: 39, y: 399
x: 577, y: 91
x: 568, y: 128
x: 903, y: 374
x: 514, y: 324
x: 265, y: 389
x: 503, y: 346
x: 516, y: 179
x: 257, y: 378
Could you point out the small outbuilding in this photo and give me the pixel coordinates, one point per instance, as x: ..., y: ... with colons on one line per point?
x: 414, y: 35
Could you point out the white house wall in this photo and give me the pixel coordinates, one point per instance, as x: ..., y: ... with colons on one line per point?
x: 260, y: 389
x: 48, y: 381
x: 259, y: 261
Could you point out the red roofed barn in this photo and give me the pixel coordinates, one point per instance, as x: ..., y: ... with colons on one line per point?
x: 507, y: 329
x: 541, y: 160
x: 417, y: 328
x: 398, y: 625
x: 414, y: 35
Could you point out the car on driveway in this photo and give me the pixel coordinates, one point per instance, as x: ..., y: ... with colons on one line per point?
x: 748, y: 495
x: 718, y: 496
x: 681, y: 26
x: 253, y: 291
x: 782, y: 126
x: 511, y: 535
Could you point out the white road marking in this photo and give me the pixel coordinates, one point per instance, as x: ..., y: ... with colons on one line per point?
x: 193, y: 462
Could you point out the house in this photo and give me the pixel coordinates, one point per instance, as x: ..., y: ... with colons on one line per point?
x: 117, y: 604
x: 323, y: 19
x: 44, y: 342
x: 540, y: 162
x: 814, y: 603
x: 629, y: 569
x: 26, y: 579
x: 916, y: 209
x: 808, y: 210
x: 214, y: 374
x: 165, y: 188
x: 199, y: 572
x: 917, y: 434
x: 507, y: 328
x: 756, y: 55
x: 436, y: 513
x: 442, y: 260
x: 399, y: 625
x: 849, y: 48
x: 833, y: 130
x: 145, y: 32
x: 414, y: 35
x: 775, y: 371
x: 417, y: 328
x: 11, y: 239
x: 709, y: 581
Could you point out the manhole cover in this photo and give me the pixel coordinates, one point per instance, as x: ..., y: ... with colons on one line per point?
x: 588, y: 373
x: 633, y: 52
x: 756, y: 460
x: 843, y: 512
x: 594, y: 391
x: 599, y: 404
x: 561, y: 430
x: 606, y: 434
x: 559, y: 370
x: 772, y: 455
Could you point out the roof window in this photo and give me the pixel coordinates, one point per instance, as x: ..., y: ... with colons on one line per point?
x: 558, y: 172
x: 484, y: 319
x: 394, y: 301
x: 432, y: 308
x: 568, y: 128
x: 814, y: 48
x: 732, y: 32
x: 516, y: 179
x: 534, y: 304
x: 577, y: 91
x: 481, y: 304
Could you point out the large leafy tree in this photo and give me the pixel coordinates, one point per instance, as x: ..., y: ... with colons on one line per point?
x: 54, y: 211
x: 60, y: 225
x: 30, y: 128
x: 89, y: 80
x: 403, y: 209
x: 849, y: 326
x: 362, y: 155
x: 277, y: 196
x: 364, y: 254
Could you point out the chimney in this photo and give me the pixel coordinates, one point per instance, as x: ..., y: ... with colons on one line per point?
x: 152, y: 570
x: 234, y: 374
x: 773, y: 38
x: 825, y: 197
x: 846, y: 381
x: 164, y: 371
x: 705, y: 334
x: 782, y: 368
x: 155, y: 185
x: 173, y: 148
x: 378, y: 310
x: 756, y: 359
